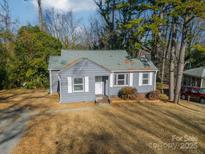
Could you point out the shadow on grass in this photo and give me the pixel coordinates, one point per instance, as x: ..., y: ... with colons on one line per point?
x: 14, y: 117
x: 172, y: 123
x: 132, y: 127
x: 131, y: 130
x: 96, y: 141
x: 92, y: 143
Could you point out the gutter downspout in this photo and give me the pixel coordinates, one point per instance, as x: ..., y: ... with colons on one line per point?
x: 108, y: 89
x: 60, y: 88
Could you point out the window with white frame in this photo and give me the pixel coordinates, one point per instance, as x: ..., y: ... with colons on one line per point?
x: 121, y: 79
x: 145, y: 78
x: 78, y: 84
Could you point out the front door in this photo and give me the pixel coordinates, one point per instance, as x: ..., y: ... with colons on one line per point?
x: 98, y: 85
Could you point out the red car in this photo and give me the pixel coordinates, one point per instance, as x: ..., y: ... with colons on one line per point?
x: 194, y: 93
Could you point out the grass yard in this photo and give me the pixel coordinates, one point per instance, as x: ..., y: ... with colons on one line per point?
x: 119, y: 128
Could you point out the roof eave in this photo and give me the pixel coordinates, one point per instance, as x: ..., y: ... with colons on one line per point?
x: 135, y: 70
x: 193, y: 75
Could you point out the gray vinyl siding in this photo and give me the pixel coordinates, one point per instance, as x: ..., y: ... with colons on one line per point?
x: 115, y: 89
x: 144, y: 88
x: 81, y: 69
x: 90, y: 69
x: 141, y: 89
x: 54, y: 81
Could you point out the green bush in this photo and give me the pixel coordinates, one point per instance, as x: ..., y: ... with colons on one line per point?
x: 154, y: 95
x: 160, y: 86
x: 163, y: 97
x: 127, y: 93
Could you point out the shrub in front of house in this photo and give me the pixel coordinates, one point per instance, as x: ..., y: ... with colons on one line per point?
x: 160, y: 86
x: 154, y: 95
x: 128, y: 93
x: 163, y: 97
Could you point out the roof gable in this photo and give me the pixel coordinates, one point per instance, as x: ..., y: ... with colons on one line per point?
x: 77, y: 61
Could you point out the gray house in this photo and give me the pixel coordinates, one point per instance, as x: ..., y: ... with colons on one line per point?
x: 194, y: 77
x: 82, y: 76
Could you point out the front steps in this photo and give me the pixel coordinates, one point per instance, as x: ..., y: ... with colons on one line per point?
x: 102, y: 99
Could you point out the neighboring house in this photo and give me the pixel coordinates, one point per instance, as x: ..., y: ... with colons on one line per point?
x: 80, y: 75
x: 194, y: 77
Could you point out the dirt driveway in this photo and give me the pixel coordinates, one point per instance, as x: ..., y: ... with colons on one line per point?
x: 31, y: 121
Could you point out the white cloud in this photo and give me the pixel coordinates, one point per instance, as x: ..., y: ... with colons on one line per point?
x: 68, y: 5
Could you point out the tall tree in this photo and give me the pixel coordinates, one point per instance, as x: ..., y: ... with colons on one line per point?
x: 7, y: 40
x: 64, y: 26
x: 188, y: 11
x: 94, y: 34
x: 40, y: 15
x: 5, y: 18
x: 33, y: 48
x: 168, y: 29
x: 3, y: 66
x: 107, y: 10
x: 172, y: 61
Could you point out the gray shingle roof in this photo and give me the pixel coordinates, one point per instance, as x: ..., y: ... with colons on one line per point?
x: 110, y: 59
x: 196, y: 72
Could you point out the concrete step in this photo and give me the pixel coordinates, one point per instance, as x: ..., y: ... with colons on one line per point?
x: 102, y: 99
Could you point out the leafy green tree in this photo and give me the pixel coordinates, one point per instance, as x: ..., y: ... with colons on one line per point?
x: 196, y: 57
x: 6, y: 51
x: 3, y: 62
x: 161, y: 26
x: 33, y: 48
x: 187, y: 11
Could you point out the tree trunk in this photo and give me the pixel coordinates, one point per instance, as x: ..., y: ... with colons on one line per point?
x: 181, y: 60
x: 171, y: 66
x: 166, y: 49
x: 162, y: 71
x: 113, y: 25
x: 40, y: 14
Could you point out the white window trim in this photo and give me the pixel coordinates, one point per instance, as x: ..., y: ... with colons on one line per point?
x: 78, y: 91
x: 148, y: 79
x: 126, y: 75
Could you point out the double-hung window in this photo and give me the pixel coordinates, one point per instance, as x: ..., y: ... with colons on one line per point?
x: 78, y: 84
x: 145, y: 78
x: 121, y: 79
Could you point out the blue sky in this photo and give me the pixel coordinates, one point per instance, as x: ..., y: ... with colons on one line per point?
x: 26, y: 11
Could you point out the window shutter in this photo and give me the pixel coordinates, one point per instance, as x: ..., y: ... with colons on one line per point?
x: 69, y: 85
x: 131, y: 79
x: 140, y: 79
x: 111, y: 79
x: 150, y: 78
x: 86, y: 84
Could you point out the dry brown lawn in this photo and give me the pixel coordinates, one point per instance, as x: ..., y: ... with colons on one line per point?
x: 120, y: 128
